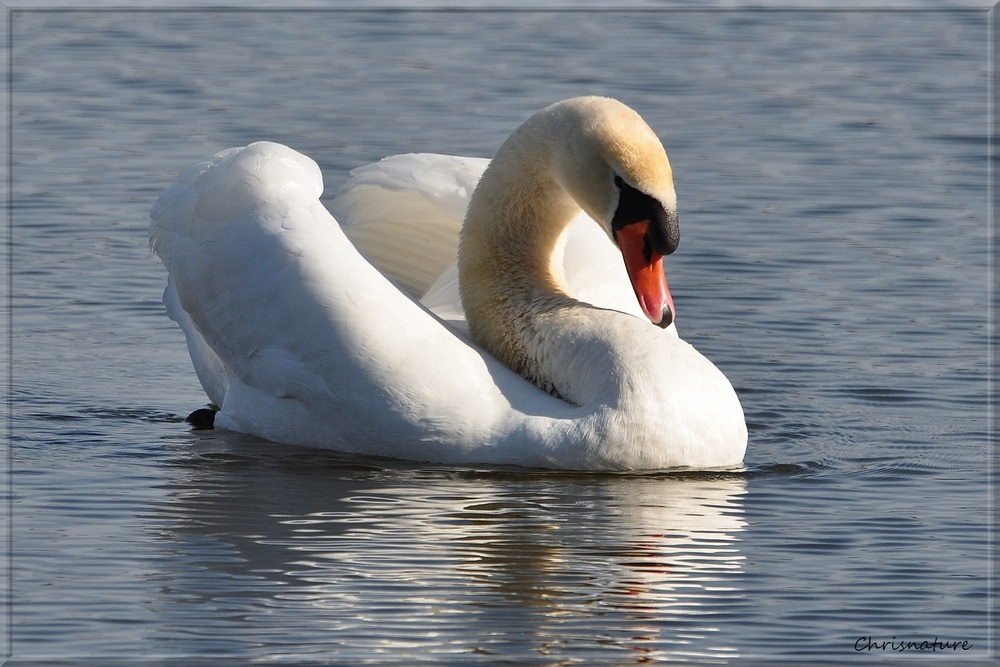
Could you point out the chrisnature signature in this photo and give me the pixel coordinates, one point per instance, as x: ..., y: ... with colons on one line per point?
x: 901, y: 645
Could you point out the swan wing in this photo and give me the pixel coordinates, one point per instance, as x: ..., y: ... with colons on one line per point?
x: 405, y: 212
x: 299, y: 339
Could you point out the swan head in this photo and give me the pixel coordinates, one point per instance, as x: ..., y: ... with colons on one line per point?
x: 588, y: 153
x: 612, y: 164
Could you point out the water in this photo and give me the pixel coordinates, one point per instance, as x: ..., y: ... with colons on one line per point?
x: 831, y: 169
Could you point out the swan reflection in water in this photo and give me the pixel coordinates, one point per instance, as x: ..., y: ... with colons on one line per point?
x: 302, y: 551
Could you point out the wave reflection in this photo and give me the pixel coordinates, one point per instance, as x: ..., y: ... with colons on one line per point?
x: 398, y: 560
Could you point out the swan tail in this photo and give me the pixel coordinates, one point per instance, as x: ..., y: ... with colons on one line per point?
x: 288, y: 326
x: 232, y: 233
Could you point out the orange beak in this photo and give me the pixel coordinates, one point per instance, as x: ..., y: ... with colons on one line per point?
x: 645, y: 269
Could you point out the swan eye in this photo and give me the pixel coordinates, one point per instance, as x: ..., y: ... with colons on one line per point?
x: 619, y: 181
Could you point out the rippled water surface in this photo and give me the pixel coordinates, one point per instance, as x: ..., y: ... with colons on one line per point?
x: 831, y: 169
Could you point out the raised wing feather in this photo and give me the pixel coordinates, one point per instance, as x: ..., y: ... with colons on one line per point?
x: 405, y: 212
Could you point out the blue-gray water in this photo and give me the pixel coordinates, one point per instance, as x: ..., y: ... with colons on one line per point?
x: 832, y: 175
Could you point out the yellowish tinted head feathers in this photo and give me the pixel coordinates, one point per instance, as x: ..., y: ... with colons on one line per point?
x: 563, y: 159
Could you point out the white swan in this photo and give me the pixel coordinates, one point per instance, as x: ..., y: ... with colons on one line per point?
x: 299, y: 338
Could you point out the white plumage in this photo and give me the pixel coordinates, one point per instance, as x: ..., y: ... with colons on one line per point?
x: 300, y: 338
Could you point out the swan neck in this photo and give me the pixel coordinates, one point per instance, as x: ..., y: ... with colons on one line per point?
x: 510, y: 259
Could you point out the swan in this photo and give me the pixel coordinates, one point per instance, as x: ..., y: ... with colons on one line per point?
x: 508, y: 357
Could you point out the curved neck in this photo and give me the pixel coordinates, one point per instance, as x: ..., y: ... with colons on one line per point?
x: 510, y: 261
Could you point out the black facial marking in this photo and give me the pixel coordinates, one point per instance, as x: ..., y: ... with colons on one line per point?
x: 635, y: 206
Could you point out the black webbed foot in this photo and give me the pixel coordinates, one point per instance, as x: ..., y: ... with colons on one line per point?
x: 203, y: 419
